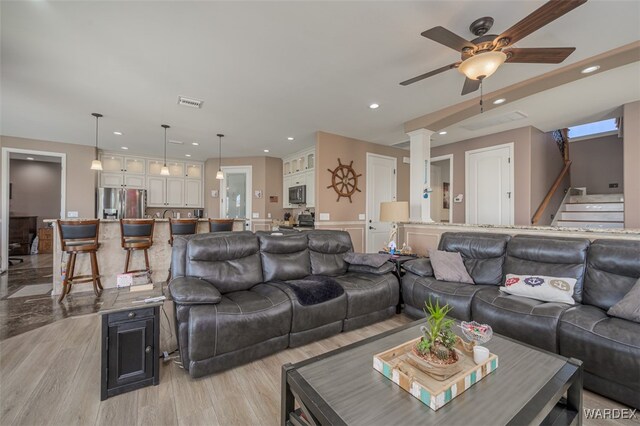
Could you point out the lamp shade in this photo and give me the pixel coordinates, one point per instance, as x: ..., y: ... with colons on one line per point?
x: 220, y: 175
x: 394, y: 211
x: 164, y: 171
x: 96, y: 165
x: 482, y: 65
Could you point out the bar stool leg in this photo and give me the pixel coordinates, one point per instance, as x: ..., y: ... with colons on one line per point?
x: 126, y: 263
x: 98, y: 273
x: 94, y: 275
x: 65, y: 282
x: 72, y: 273
x: 146, y: 260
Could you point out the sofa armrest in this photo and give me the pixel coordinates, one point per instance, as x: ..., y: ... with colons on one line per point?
x: 384, y: 269
x: 421, y: 267
x: 193, y: 291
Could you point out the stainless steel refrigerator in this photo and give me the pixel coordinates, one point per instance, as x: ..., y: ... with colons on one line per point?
x: 120, y: 203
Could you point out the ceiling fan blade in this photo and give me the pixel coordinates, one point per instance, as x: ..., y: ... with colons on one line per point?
x: 448, y: 38
x: 547, y: 13
x: 542, y: 55
x: 429, y: 74
x: 470, y: 86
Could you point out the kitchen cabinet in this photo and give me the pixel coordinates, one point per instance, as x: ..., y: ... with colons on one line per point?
x: 192, y: 193
x: 175, y: 192
x: 286, y: 183
x: 299, y: 169
x: 134, y: 165
x: 311, y: 188
x: 156, y: 190
x: 194, y: 171
x: 112, y: 163
x: 121, y: 180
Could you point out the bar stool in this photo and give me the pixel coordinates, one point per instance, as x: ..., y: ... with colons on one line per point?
x: 220, y: 225
x: 79, y: 236
x: 181, y: 227
x: 136, y: 234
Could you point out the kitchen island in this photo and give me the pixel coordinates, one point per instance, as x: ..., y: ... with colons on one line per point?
x: 111, y: 256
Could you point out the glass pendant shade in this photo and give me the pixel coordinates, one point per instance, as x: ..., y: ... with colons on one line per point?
x: 164, y: 171
x: 96, y: 165
x: 219, y: 175
x: 482, y: 65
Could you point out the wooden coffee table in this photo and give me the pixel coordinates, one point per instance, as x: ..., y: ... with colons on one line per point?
x: 342, y: 388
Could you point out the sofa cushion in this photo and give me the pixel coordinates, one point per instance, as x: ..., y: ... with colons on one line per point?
x: 229, y: 261
x: 421, y: 267
x: 613, y: 266
x: 241, y: 319
x: 483, y: 253
x: 417, y: 290
x: 608, y: 347
x: 315, y: 289
x: 327, y: 249
x: 384, y: 269
x: 367, y: 293
x: 550, y: 256
x: 527, y: 320
x: 448, y: 266
x: 375, y: 260
x: 629, y: 307
x: 284, y: 257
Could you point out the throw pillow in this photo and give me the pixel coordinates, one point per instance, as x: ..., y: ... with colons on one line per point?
x: 366, y: 259
x: 448, y: 266
x: 540, y: 287
x: 629, y: 307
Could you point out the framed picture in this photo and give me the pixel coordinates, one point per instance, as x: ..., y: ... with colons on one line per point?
x: 445, y: 195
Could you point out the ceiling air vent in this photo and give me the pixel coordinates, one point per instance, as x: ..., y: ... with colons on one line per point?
x: 494, y: 121
x: 175, y: 142
x: 190, y: 102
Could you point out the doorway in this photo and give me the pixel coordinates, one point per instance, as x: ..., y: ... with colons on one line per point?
x: 381, y: 186
x: 489, y: 178
x: 442, y: 188
x: 235, y: 194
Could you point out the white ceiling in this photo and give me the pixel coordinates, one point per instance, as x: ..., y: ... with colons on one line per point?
x: 266, y: 70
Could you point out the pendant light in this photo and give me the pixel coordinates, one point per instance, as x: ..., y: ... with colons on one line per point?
x: 164, y: 171
x: 96, y: 164
x: 220, y: 175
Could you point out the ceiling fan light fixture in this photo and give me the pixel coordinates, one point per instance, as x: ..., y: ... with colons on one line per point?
x: 482, y: 65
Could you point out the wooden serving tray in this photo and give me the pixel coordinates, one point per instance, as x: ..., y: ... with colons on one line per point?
x: 395, y: 366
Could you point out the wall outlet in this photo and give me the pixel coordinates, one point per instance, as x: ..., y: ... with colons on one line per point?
x: 613, y: 185
x: 406, y: 160
x: 325, y: 216
x: 268, y: 215
x: 361, y: 216
x: 255, y: 215
x: 72, y: 214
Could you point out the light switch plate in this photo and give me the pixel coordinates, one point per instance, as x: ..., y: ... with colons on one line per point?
x: 361, y: 216
x: 214, y: 193
x: 255, y: 215
x: 325, y: 216
x: 268, y: 215
x: 72, y: 214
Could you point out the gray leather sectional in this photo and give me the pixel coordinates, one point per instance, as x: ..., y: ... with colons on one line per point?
x: 240, y: 296
x: 605, y: 271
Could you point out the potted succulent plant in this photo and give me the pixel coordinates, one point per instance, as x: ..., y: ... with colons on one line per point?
x: 435, y: 353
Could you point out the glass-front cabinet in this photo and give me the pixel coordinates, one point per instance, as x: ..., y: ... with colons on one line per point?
x: 194, y: 171
x: 112, y: 163
x: 134, y: 165
x: 299, y: 169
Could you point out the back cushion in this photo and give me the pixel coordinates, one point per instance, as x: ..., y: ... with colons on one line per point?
x: 483, y: 254
x: 613, y: 267
x: 229, y: 261
x: 327, y: 249
x: 284, y: 257
x: 550, y: 256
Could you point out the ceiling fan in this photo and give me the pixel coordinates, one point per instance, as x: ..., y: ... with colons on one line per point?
x: 482, y: 56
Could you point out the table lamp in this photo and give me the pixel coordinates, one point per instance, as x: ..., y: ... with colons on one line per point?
x: 394, y: 212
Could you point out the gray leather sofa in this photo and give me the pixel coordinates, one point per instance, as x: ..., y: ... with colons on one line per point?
x: 605, y: 271
x: 240, y: 296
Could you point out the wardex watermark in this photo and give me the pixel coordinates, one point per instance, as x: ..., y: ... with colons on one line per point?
x: 610, y: 413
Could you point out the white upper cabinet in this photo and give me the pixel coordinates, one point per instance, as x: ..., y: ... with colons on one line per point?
x: 156, y: 191
x: 194, y: 171
x: 112, y: 163
x: 175, y: 192
x: 111, y: 180
x: 193, y: 193
x: 134, y: 165
x: 134, y: 181
x: 299, y: 169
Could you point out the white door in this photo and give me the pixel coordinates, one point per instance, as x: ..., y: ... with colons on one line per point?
x: 156, y: 189
x: 381, y: 186
x: 489, y: 183
x: 192, y: 193
x: 236, y: 193
x: 175, y: 192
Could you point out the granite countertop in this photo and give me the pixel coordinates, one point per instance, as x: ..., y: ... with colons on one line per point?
x: 626, y: 231
x: 118, y: 220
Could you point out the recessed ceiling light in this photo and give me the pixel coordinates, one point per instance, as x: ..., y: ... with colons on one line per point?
x: 444, y: 132
x: 591, y: 69
x: 117, y: 133
x: 124, y: 147
x: 499, y: 101
x: 195, y: 143
x: 290, y: 138
x: 30, y: 158
x: 187, y: 155
x: 374, y: 106
x: 266, y: 150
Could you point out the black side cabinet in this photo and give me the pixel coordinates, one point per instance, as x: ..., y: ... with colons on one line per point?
x: 130, y: 349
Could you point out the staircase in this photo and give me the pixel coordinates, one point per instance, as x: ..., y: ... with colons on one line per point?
x: 592, y: 211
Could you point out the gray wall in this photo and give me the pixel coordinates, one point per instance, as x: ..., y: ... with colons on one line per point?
x: 596, y: 163
x: 35, y: 189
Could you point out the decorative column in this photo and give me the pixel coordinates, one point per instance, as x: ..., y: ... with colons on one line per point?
x: 420, y: 175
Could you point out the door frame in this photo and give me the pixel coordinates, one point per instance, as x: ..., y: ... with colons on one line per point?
x: 6, y: 153
x: 249, y: 196
x: 368, y: 191
x: 450, y: 158
x: 467, y: 154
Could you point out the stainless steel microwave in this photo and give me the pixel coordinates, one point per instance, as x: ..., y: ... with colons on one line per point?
x: 298, y: 194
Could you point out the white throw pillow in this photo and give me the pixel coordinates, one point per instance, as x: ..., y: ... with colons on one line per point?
x: 540, y: 287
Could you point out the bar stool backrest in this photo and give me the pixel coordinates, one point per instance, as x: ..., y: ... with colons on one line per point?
x: 78, y: 234
x: 182, y: 227
x: 220, y: 225
x: 136, y: 232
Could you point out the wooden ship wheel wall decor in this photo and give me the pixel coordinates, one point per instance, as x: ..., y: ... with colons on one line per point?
x: 344, y: 180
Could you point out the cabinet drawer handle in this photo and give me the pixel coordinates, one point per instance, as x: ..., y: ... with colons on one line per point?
x: 148, y: 349
x: 132, y: 315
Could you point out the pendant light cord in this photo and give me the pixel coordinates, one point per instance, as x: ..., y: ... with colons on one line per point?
x: 165, y: 147
x: 220, y: 152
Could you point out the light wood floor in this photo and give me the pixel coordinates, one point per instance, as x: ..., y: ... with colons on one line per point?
x: 51, y: 376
